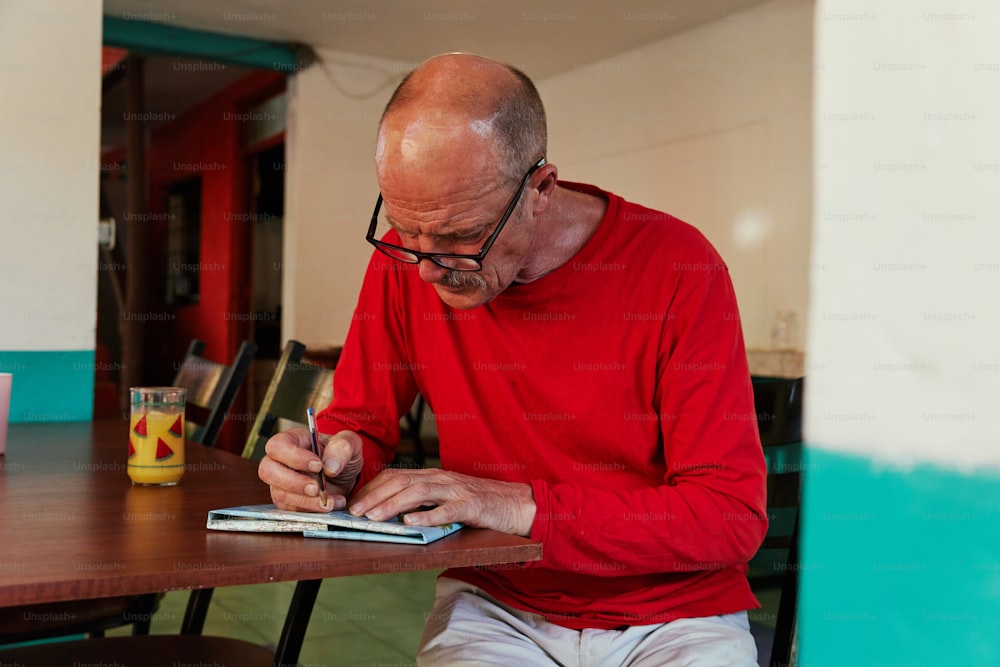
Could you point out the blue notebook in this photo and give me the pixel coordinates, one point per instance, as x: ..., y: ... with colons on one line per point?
x: 333, y: 525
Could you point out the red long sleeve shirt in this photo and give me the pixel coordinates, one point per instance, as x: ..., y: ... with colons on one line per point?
x: 616, y: 386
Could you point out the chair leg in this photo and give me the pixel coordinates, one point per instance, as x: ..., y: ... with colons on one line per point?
x: 784, y: 630
x: 296, y: 622
x: 197, y: 610
x: 144, y: 609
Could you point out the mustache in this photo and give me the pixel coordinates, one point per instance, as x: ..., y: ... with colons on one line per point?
x: 463, y: 279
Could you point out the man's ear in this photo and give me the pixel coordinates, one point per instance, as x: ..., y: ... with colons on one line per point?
x: 546, y: 186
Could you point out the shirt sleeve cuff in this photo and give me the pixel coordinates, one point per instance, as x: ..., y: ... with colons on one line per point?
x: 543, y: 512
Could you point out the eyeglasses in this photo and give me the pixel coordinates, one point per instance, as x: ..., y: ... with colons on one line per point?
x: 451, y: 261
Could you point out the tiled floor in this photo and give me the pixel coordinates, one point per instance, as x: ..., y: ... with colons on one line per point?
x: 370, y: 621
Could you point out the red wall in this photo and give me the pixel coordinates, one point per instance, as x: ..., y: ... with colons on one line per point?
x: 208, y: 141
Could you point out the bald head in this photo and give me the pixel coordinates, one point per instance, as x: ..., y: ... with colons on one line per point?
x: 453, y: 99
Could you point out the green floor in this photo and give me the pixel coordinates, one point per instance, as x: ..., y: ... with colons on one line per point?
x: 375, y: 620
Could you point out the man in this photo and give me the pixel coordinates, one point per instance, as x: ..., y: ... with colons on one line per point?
x: 584, y: 360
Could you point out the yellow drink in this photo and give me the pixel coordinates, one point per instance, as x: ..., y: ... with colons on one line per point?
x: 156, y: 436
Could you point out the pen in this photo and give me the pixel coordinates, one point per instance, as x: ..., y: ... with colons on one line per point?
x: 311, y: 416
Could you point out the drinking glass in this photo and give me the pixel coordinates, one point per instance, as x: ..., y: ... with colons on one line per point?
x: 156, y: 435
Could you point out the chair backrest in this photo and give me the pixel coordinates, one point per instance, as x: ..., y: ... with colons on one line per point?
x: 778, y: 402
x: 295, y: 386
x: 212, y: 388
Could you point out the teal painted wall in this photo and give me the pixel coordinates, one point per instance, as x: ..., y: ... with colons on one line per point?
x: 899, y: 567
x: 50, y: 385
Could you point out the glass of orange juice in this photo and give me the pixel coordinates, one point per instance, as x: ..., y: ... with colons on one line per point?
x: 156, y: 435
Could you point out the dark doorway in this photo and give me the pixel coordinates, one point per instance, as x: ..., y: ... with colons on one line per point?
x: 269, y: 211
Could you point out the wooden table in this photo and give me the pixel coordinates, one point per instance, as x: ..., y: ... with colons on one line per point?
x: 73, y: 527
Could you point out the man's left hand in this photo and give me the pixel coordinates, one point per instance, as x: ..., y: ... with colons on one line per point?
x: 485, y: 503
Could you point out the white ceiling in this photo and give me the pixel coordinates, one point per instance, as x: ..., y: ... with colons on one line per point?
x: 542, y: 37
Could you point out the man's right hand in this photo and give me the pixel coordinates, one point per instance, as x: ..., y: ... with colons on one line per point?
x: 289, y: 467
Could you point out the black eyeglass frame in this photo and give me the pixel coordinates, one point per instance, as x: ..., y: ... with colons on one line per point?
x: 436, y: 256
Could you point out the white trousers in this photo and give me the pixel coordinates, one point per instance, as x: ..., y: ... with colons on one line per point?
x: 468, y: 627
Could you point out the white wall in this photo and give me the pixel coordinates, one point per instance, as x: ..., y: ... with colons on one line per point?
x: 712, y: 125
x: 50, y: 67
x: 906, y: 309
x: 334, y: 108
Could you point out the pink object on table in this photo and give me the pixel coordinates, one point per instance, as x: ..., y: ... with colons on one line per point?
x: 6, y: 380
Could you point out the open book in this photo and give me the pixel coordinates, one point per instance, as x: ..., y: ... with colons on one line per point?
x: 333, y: 525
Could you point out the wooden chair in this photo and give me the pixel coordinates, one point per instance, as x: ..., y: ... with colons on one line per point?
x: 297, y: 385
x: 148, y: 651
x: 212, y: 388
x: 778, y: 402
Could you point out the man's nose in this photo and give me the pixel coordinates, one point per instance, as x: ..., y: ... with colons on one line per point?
x: 431, y: 272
